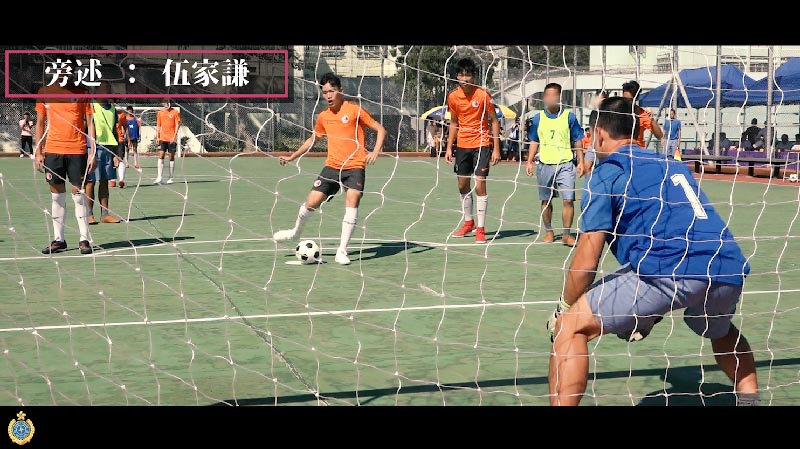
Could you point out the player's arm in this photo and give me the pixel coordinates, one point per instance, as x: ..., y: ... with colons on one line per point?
x: 92, y: 143
x: 451, y: 136
x: 533, y: 145
x: 158, y: 128
x: 496, y: 156
x: 39, y: 147
x: 177, y: 127
x: 583, y: 268
x: 576, y: 135
x: 307, y: 145
x: 381, y: 131
x: 655, y: 128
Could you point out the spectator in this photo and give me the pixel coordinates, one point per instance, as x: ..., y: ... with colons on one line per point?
x: 744, y: 143
x: 784, y: 144
x: 724, y: 142
x: 761, y: 138
x: 26, y: 135
x: 672, y: 134
x: 796, y: 146
x: 752, y: 132
x: 513, y: 141
x: 430, y: 139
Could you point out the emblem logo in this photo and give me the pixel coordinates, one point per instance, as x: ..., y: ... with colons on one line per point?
x: 345, y: 119
x: 20, y: 430
x: 317, y: 183
x: 49, y: 176
x: 474, y: 103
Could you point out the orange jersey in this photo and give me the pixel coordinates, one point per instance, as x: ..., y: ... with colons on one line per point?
x: 345, y: 132
x: 66, y: 120
x: 167, y: 121
x: 472, y: 115
x: 586, y: 141
x: 645, y: 122
x: 122, y: 125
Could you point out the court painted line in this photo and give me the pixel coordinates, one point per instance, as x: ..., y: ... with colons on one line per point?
x: 275, y: 315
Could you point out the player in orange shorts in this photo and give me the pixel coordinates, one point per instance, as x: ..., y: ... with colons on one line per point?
x: 343, y: 124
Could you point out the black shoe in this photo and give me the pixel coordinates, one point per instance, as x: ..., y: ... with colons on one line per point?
x: 85, y: 247
x: 56, y: 246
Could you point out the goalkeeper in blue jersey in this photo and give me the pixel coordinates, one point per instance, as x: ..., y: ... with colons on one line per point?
x: 676, y: 253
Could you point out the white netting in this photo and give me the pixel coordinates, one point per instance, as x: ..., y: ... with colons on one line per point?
x: 189, y: 301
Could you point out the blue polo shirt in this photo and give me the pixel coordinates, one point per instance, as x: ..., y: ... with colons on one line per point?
x: 672, y: 128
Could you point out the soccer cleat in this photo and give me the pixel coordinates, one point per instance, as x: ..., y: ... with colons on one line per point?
x: 157, y: 181
x: 112, y: 184
x: 170, y: 181
x: 85, y: 247
x: 467, y: 228
x: 91, y: 220
x: 282, y: 236
x: 549, y: 237
x: 122, y: 184
x: 56, y: 246
x: 21, y: 155
x: 480, y: 235
x: 109, y: 219
x: 341, y: 258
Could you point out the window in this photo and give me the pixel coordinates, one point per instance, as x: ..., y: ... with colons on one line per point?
x: 368, y: 52
x: 331, y: 51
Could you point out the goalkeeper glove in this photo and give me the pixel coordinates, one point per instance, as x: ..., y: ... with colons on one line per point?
x: 551, y: 322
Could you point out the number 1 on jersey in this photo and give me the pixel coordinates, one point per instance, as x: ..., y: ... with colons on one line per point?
x: 679, y: 179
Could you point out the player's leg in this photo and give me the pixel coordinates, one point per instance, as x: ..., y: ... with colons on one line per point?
x: 353, y: 180
x: 122, y: 164
x: 545, y: 177
x: 324, y: 186
x: 105, y: 165
x: 481, y: 197
x: 173, y: 147
x: 135, y: 152
x: 163, y: 147
x: 710, y: 316
x: 464, y: 167
x: 89, y: 193
x: 55, y: 174
x: 565, y: 183
x: 569, y: 359
x: 76, y: 173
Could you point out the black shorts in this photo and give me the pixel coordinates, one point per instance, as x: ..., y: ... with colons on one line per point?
x: 328, y: 181
x: 473, y: 160
x: 168, y: 146
x: 121, y: 147
x: 59, y: 167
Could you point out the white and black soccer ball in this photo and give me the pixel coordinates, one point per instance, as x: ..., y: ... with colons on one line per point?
x: 307, y: 251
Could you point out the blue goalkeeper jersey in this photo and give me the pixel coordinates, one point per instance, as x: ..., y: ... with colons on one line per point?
x: 659, y: 219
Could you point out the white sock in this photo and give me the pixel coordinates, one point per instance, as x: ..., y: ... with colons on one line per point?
x: 135, y: 157
x: 58, y: 210
x: 171, y: 168
x: 302, y: 215
x: 160, y: 168
x: 482, y: 203
x: 82, y: 214
x: 121, y: 170
x: 348, y: 226
x: 466, y: 205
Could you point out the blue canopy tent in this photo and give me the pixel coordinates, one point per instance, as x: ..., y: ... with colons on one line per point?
x: 785, y: 88
x: 700, y: 85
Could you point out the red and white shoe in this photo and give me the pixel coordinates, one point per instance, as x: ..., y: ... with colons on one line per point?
x: 480, y: 235
x: 467, y: 228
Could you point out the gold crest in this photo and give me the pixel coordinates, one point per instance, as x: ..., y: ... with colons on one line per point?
x: 20, y: 430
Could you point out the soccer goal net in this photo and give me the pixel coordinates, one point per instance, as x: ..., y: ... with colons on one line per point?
x: 190, y: 301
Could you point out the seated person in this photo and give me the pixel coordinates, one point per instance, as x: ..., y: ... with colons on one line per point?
x: 796, y: 146
x: 784, y: 144
x: 744, y: 144
x: 724, y: 142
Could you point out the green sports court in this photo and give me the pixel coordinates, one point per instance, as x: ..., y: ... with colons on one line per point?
x: 190, y: 302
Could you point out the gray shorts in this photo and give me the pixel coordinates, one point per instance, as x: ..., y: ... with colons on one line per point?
x: 623, y: 302
x: 556, y: 179
x: 672, y: 145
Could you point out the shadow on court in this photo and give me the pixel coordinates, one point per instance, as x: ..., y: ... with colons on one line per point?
x: 159, y: 217
x: 387, y: 249
x: 142, y: 242
x: 508, y: 233
x: 177, y: 183
x: 685, y: 383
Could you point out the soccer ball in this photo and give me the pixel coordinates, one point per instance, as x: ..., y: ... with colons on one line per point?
x: 307, y: 252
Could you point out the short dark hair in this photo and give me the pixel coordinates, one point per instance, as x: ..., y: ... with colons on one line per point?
x: 617, y: 118
x: 466, y: 66
x: 129, y: 108
x: 26, y: 113
x: 673, y: 110
x: 784, y: 136
x: 602, y: 93
x: 555, y: 86
x: 593, y: 119
x: 330, y: 78
x: 754, y: 121
x: 722, y: 135
x: 632, y: 87
x: 588, y: 128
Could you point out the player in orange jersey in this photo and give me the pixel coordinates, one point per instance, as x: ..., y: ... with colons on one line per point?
x: 343, y: 124
x: 61, y: 152
x: 631, y: 90
x: 471, y: 113
x: 168, y: 122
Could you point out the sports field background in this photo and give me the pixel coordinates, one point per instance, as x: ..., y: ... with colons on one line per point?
x: 189, y: 301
